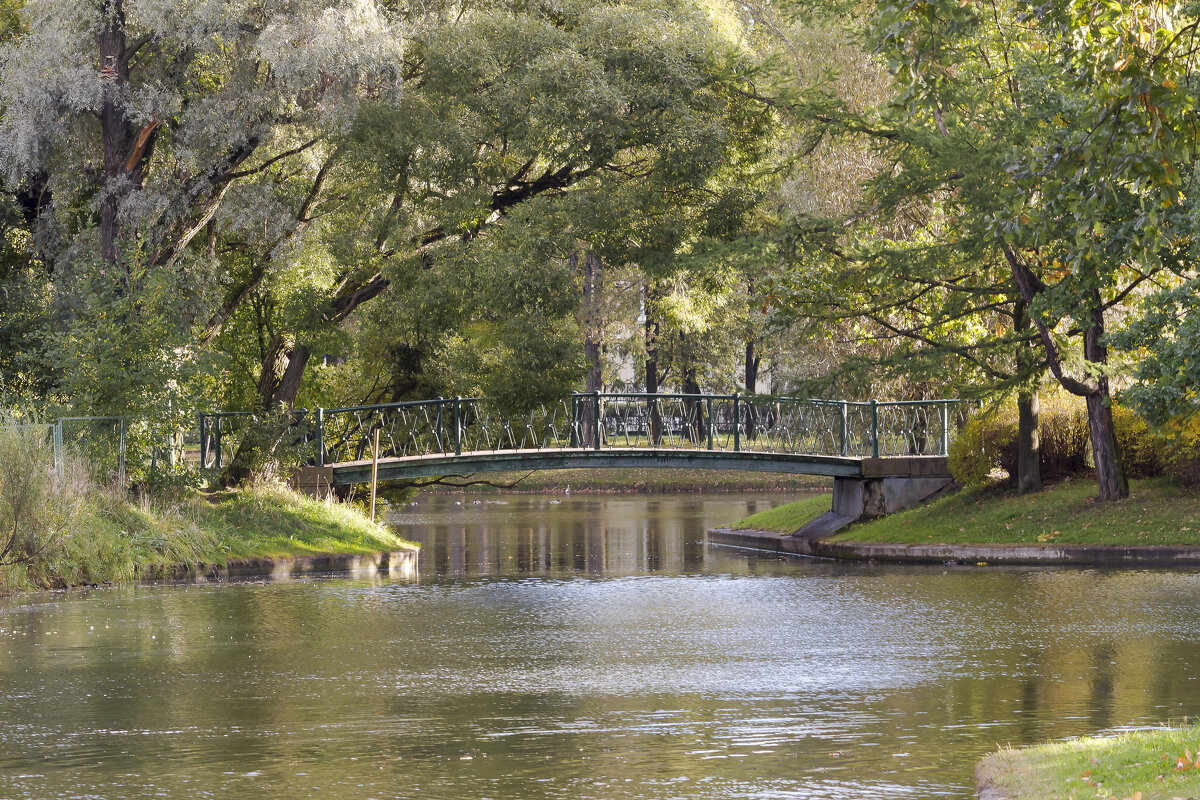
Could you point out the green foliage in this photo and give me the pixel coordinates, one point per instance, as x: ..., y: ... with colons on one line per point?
x: 987, y: 443
x: 38, y: 507
x: 125, y: 350
x: 1142, y: 448
x: 519, y: 363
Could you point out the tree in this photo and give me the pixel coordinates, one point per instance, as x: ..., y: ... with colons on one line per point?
x: 1016, y: 131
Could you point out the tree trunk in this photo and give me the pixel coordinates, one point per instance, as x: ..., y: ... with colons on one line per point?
x: 649, y: 296
x: 753, y: 361
x: 114, y: 125
x: 278, y: 385
x: 1110, y: 472
x: 591, y: 337
x: 1029, y: 452
x: 1029, y: 449
x: 694, y: 409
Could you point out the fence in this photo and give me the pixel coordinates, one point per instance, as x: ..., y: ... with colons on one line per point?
x: 733, y: 423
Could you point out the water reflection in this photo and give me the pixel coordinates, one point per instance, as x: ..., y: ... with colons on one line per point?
x: 611, y: 656
x: 564, y: 536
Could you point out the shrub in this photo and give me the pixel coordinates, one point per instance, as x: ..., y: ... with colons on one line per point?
x: 987, y: 443
x: 38, y: 505
x: 1142, y: 450
x: 1180, y: 439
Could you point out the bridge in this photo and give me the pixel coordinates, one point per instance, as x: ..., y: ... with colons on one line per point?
x: 882, y: 455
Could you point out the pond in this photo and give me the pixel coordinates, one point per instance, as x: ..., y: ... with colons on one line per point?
x: 583, y: 647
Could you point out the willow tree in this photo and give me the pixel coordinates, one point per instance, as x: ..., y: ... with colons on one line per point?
x: 129, y: 128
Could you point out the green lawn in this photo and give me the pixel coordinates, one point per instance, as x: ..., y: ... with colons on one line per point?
x: 648, y: 480
x: 787, y: 518
x: 1142, y: 765
x: 1157, y: 512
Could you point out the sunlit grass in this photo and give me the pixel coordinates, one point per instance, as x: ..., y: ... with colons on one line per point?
x: 787, y: 518
x: 650, y: 480
x: 113, y: 539
x: 1156, y: 512
x: 1143, y: 765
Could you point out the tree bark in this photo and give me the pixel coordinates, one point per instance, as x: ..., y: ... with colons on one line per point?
x: 694, y: 408
x: 278, y: 385
x: 1029, y: 450
x: 1111, y: 480
x: 753, y: 361
x: 1110, y: 472
x: 114, y: 126
x: 591, y: 335
x: 649, y: 298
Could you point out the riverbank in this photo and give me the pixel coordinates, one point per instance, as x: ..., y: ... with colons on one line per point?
x: 261, y: 530
x: 1142, y: 765
x: 637, y: 481
x: 1158, y: 523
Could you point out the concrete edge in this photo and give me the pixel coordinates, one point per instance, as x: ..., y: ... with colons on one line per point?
x: 400, y: 561
x: 1017, y: 554
x: 765, y: 541
x: 1081, y: 555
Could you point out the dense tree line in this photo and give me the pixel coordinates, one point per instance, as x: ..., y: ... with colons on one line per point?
x: 328, y: 203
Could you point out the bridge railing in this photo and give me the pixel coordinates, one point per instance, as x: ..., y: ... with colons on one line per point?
x: 737, y: 423
x: 605, y: 421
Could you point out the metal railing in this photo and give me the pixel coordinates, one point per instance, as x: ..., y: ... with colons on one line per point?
x: 608, y: 421
x: 100, y: 441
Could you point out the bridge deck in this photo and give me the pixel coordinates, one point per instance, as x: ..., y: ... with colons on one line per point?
x: 425, y: 466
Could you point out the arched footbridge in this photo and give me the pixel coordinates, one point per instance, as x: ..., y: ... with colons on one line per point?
x: 454, y: 436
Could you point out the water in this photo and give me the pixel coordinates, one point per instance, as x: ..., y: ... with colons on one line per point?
x: 593, y: 648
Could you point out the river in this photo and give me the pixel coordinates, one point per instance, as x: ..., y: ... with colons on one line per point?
x: 582, y: 647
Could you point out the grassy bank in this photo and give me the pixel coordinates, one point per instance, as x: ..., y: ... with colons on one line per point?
x: 1143, y: 765
x: 103, y: 537
x: 645, y: 481
x: 1157, y: 512
x: 787, y: 518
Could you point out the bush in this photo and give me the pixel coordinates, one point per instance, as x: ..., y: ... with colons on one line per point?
x: 987, y: 443
x: 1142, y: 450
x: 1180, y: 443
x: 38, y: 505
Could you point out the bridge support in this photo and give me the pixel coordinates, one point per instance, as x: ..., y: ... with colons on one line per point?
x: 313, y: 481
x: 884, y: 488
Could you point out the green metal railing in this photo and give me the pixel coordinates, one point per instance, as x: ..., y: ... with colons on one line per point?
x: 607, y: 421
x: 99, y: 440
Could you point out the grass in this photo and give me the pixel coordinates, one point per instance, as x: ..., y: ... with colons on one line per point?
x: 1141, y: 765
x: 109, y: 538
x: 1157, y: 512
x: 648, y: 481
x: 787, y: 518
x: 275, y: 521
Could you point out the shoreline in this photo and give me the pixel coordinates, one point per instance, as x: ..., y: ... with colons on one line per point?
x: 1157, y: 760
x: 258, y: 531
x: 1157, y: 526
x: 982, y: 555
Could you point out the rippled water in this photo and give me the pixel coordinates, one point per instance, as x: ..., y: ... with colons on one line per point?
x: 591, y: 648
